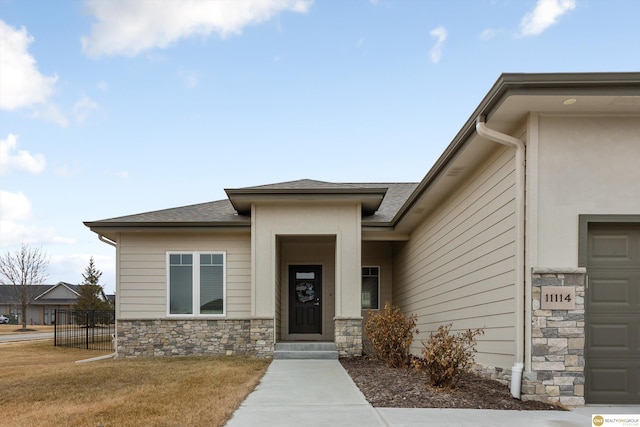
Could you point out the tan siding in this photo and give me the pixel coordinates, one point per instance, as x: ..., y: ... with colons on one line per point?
x: 458, y: 266
x: 143, y: 274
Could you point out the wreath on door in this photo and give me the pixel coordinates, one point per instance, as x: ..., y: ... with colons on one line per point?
x: 305, y: 291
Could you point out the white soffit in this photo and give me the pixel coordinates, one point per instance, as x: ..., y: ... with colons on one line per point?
x: 513, y: 109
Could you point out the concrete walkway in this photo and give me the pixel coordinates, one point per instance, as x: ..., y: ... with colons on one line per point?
x: 26, y: 336
x: 321, y: 393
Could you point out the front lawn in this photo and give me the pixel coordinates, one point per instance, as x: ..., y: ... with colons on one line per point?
x: 42, y: 386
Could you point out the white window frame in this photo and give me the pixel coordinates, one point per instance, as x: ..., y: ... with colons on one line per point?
x: 195, y: 303
x: 361, y: 277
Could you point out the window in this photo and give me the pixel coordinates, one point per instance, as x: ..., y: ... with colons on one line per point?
x: 370, y: 287
x: 196, y: 283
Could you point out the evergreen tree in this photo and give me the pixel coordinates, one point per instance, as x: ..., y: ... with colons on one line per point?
x: 90, y: 292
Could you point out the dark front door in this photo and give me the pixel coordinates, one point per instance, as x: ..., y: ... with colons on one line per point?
x: 305, y: 299
x: 613, y: 315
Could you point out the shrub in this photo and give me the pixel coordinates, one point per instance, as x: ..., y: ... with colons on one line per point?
x: 447, y: 357
x: 391, y: 334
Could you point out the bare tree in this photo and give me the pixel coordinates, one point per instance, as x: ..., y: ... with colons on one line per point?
x: 21, y: 269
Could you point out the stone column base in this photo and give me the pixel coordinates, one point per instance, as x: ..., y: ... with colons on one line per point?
x: 558, y: 340
x: 348, y: 336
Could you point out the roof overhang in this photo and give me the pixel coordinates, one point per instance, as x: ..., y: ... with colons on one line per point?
x: 369, y: 198
x: 505, y: 108
x: 111, y: 231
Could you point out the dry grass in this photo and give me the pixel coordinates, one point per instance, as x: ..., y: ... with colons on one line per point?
x: 42, y: 386
x: 11, y: 329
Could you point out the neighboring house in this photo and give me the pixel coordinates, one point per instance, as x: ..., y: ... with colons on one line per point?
x: 528, y: 226
x: 48, y: 298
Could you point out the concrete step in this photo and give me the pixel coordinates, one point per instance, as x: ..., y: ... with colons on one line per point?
x: 305, y: 350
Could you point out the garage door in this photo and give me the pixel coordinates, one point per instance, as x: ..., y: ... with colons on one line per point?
x: 613, y: 314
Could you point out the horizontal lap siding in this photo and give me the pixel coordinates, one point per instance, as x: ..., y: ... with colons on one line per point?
x: 143, y: 273
x: 458, y: 266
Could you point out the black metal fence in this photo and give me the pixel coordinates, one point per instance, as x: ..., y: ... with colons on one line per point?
x: 88, y: 329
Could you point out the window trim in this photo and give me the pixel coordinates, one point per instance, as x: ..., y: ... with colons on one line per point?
x: 361, y: 277
x: 195, y: 285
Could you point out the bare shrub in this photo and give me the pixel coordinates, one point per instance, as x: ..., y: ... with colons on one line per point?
x: 447, y: 357
x: 391, y: 334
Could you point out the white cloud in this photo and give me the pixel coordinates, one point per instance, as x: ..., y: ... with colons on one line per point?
x: 545, y: 14
x: 128, y: 28
x: 51, y: 113
x: 489, y: 34
x: 14, y: 233
x: 21, y: 84
x: 190, y: 78
x: 70, y: 267
x: 82, y: 108
x: 15, y: 210
x: 103, y: 86
x: 20, y: 160
x: 14, y: 206
x: 440, y: 33
x: 118, y: 174
x: 66, y: 171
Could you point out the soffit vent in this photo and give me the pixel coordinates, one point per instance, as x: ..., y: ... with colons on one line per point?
x: 455, y: 171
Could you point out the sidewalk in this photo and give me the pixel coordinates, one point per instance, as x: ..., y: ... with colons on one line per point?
x: 321, y: 393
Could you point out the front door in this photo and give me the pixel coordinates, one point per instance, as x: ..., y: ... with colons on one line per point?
x: 305, y: 299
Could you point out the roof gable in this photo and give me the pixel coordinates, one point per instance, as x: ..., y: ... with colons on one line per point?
x: 386, y: 197
x: 59, y: 291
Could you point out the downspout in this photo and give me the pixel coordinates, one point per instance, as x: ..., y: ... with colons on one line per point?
x: 509, y: 141
x: 115, y: 336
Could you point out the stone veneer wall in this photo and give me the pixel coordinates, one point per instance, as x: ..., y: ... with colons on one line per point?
x: 558, y: 341
x: 348, y: 336
x: 169, y: 337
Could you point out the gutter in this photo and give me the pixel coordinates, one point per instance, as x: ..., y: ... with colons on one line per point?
x: 107, y: 240
x: 520, y: 167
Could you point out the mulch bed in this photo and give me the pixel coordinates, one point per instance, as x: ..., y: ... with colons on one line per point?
x: 408, y: 388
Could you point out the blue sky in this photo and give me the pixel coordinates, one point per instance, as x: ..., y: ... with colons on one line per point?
x: 110, y: 108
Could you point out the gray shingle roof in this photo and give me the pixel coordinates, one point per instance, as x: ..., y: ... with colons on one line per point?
x: 310, y: 184
x: 221, y: 212
x: 397, y: 195
x: 8, y: 294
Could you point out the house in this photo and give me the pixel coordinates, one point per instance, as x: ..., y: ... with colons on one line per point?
x: 46, y: 299
x: 528, y: 226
